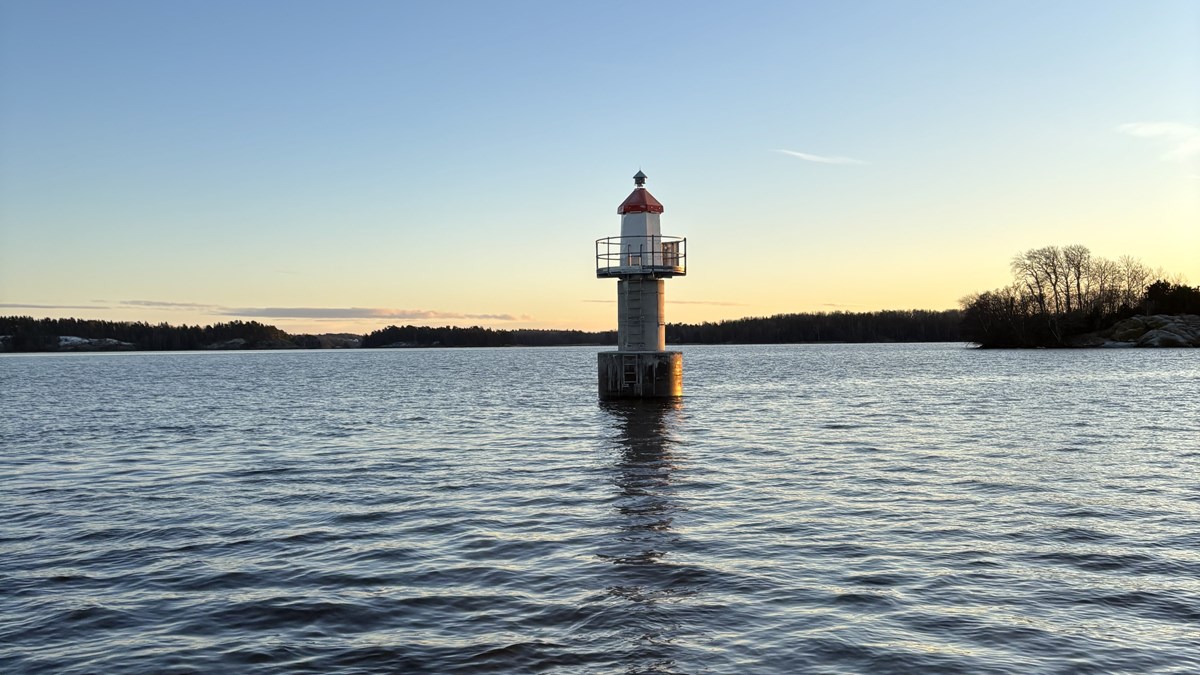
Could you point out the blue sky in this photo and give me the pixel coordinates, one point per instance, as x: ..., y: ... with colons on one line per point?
x: 341, y: 166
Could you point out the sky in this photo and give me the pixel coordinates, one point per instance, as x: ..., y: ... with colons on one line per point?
x: 343, y: 166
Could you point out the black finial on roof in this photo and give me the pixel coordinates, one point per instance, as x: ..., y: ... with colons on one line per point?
x: 639, y: 179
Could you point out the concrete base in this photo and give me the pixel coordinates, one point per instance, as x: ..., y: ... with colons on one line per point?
x: 640, y: 374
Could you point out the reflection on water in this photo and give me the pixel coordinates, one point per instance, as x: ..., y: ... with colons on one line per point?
x: 643, y: 479
x: 643, y: 546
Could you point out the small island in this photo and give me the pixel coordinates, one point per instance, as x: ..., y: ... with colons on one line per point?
x: 1066, y: 297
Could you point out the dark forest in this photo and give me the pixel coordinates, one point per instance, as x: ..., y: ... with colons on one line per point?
x: 26, y: 334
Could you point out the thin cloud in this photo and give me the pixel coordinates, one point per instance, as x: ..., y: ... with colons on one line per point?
x: 21, y: 305
x: 1183, y: 139
x: 319, y: 313
x: 166, y: 305
x: 821, y: 159
x: 361, y: 313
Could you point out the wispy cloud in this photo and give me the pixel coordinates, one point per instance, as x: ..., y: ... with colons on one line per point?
x: 821, y: 159
x: 360, y: 313
x: 331, y: 313
x: 1183, y: 140
x: 21, y: 305
x: 166, y: 305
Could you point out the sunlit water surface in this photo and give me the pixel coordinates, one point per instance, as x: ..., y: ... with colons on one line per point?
x: 825, y: 508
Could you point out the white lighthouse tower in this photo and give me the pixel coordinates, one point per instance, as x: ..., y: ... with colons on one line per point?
x: 640, y: 259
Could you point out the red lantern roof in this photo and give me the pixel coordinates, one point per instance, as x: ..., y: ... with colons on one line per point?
x: 640, y: 200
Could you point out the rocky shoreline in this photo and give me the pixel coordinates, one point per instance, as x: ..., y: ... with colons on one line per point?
x: 1158, y: 330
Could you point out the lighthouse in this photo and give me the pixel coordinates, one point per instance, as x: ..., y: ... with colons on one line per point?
x: 640, y: 260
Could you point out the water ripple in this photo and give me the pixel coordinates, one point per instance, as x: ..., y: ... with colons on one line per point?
x: 855, y: 508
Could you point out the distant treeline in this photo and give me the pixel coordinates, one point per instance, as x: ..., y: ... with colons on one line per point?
x: 475, y: 336
x: 885, y: 326
x: 916, y: 325
x: 1059, y: 293
x: 26, y: 334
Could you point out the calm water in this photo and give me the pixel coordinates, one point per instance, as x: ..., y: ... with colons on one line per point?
x: 804, y: 508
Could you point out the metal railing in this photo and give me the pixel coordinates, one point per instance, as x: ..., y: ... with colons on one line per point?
x: 641, y: 254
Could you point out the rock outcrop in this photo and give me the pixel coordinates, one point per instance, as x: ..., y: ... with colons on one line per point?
x: 70, y: 343
x: 1160, y: 330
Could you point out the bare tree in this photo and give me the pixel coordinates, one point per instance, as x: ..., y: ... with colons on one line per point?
x: 1043, y: 272
x: 1027, y: 273
x: 1135, y: 276
x: 1105, y: 295
x: 1078, y: 260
